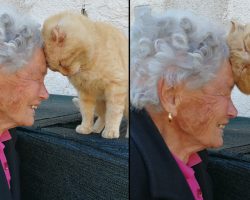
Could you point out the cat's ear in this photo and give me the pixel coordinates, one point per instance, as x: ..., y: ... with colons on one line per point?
x: 58, y: 35
x: 236, y: 26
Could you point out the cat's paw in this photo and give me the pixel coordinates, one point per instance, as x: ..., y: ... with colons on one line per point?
x: 83, y: 129
x: 99, y: 125
x: 75, y: 101
x: 109, y: 133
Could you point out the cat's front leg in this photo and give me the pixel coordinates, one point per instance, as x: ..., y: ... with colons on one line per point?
x: 87, y: 108
x: 115, y: 100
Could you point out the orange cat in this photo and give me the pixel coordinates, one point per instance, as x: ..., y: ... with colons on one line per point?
x: 94, y: 57
x: 239, y: 44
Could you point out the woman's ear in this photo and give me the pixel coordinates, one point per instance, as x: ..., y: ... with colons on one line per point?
x: 167, y: 95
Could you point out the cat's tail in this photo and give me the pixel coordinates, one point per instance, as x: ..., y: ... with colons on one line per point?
x: 75, y: 101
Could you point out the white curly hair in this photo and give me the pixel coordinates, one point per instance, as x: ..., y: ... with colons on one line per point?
x: 177, y: 46
x: 19, y: 37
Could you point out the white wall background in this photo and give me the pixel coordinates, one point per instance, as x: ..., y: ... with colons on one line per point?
x: 116, y: 12
x: 113, y: 11
x: 220, y: 10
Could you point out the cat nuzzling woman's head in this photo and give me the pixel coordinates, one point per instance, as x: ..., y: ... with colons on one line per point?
x: 239, y: 44
x: 94, y: 56
x: 67, y: 45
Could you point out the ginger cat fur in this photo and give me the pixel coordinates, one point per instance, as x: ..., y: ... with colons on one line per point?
x: 239, y: 44
x: 94, y: 57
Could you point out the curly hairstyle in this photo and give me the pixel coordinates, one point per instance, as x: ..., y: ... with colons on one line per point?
x: 19, y: 37
x: 177, y: 46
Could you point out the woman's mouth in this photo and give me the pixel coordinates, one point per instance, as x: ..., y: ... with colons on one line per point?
x: 34, y: 107
x: 221, y: 126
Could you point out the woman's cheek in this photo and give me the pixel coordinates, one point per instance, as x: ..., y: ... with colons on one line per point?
x: 196, y: 114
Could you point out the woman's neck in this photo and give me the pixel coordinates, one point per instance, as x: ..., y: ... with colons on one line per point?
x: 179, y: 143
x: 5, y: 124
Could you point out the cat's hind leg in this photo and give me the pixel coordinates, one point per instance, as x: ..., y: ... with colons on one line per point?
x: 115, y: 99
x: 100, y: 111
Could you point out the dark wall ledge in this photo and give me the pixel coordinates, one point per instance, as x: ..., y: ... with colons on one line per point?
x: 58, y: 163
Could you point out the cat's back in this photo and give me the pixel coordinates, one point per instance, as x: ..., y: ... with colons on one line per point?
x: 115, y: 44
x: 109, y: 31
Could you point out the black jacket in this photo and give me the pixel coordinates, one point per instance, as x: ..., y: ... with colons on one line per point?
x: 154, y: 173
x: 11, y: 156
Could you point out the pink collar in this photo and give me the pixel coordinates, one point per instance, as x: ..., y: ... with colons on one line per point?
x: 188, y: 172
x: 5, y: 136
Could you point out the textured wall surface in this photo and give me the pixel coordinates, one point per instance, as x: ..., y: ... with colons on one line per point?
x: 113, y: 11
x: 116, y: 12
x: 216, y: 10
x: 222, y: 11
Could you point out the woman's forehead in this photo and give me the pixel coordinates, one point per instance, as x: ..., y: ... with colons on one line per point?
x: 223, y: 79
x: 35, y: 68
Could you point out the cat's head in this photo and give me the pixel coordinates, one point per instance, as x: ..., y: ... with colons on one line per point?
x: 239, y: 44
x: 67, y: 44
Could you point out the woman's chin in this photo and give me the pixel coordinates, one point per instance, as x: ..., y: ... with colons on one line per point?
x: 218, y: 143
x: 28, y: 122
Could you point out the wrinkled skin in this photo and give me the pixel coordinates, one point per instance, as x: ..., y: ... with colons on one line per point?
x: 199, y: 115
x: 201, y: 111
x: 21, y: 90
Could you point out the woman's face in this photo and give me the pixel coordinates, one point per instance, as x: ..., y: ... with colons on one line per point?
x: 23, y: 91
x: 202, y: 114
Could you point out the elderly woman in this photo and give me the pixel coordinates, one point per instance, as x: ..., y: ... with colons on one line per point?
x: 181, y: 83
x: 22, y: 71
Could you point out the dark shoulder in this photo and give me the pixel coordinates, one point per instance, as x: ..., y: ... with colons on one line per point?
x: 204, y: 156
x: 139, y: 184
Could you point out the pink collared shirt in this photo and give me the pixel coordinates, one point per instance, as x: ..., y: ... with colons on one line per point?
x: 4, y: 137
x: 188, y: 173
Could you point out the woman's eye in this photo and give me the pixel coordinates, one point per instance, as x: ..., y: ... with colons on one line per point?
x: 221, y: 94
x: 225, y: 94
